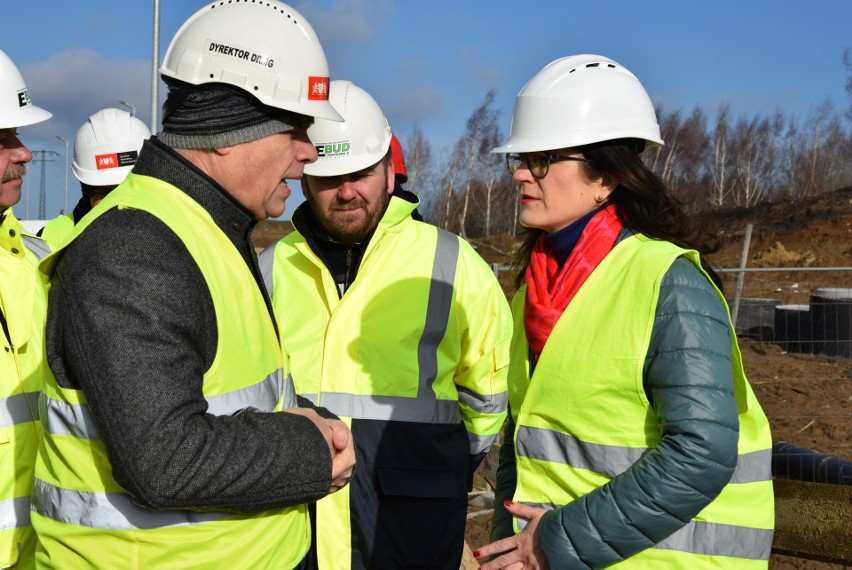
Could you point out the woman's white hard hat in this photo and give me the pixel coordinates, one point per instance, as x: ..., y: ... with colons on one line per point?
x: 580, y: 100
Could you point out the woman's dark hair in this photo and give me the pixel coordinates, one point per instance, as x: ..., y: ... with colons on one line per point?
x: 643, y: 203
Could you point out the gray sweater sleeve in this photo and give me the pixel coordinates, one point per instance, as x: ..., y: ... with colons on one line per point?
x: 131, y: 322
x: 689, y: 379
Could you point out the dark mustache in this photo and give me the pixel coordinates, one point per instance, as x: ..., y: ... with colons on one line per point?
x: 351, y: 205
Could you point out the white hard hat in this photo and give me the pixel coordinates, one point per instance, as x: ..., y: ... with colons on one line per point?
x: 264, y: 48
x: 580, y: 100
x: 360, y: 141
x: 106, y: 147
x: 16, y: 107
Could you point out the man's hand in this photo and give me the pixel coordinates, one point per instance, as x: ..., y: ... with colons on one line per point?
x: 340, y: 445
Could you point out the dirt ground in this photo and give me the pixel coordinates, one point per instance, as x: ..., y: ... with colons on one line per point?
x: 807, y: 398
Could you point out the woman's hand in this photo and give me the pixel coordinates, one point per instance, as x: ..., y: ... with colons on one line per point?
x: 521, y: 550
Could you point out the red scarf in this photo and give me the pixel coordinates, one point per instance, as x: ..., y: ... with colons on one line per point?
x: 550, y: 288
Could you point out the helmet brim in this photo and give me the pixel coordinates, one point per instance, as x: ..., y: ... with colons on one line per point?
x: 29, y: 115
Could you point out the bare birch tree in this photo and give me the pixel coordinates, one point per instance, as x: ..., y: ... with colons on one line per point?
x: 817, y: 164
x: 687, y: 171
x: 847, y: 63
x: 480, y: 126
x: 495, y: 181
x: 448, y: 182
x: 754, y: 146
x: 418, y: 164
x: 721, y: 163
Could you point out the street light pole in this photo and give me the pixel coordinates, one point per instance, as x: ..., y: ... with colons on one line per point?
x: 129, y: 106
x: 65, y: 208
x: 155, y: 64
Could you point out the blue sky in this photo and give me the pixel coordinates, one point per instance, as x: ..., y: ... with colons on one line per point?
x: 430, y: 63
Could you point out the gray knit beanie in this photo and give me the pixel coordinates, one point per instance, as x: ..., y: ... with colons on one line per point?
x: 215, y: 115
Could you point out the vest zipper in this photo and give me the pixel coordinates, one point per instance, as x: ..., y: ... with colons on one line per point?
x: 348, y: 270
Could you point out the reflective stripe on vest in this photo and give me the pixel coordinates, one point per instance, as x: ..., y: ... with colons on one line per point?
x: 483, y: 404
x: 612, y: 460
x: 262, y: 396
x: 112, y: 511
x: 266, y: 264
x: 425, y: 408
x: 62, y: 418
x: 437, y: 310
x: 14, y: 513
x: 18, y: 409
x: 698, y: 537
x: 481, y: 443
x: 709, y: 539
x: 38, y: 247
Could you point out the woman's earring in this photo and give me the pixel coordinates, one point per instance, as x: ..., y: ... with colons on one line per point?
x: 599, y: 198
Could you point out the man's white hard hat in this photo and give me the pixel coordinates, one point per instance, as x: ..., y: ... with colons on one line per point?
x: 107, y: 146
x: 16, y: 107
x: 360, y: 141
x: 267, y: 49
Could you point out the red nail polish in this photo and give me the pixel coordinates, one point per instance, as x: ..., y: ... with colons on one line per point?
x: 507, y: 503
x: 476, y: 554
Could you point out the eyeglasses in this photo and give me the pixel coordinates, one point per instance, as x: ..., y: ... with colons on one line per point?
x: 537, y: 162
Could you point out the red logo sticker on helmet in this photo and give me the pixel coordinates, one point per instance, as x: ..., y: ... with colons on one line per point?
x: 116, y: 159
x: 104, y: 161
x: 317, y: 88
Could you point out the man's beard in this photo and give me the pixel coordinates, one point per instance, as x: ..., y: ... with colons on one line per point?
x: 14, y: 171
x: 351, y: 233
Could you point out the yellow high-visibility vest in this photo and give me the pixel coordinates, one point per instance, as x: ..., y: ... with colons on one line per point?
x: 421, y: 335
x: 57, y: 230
x: 584, y: 417
x: 23, y: 367
x: 82, y: 516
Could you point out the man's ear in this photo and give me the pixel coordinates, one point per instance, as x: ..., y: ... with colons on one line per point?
x: 304, y: 185
x: 391, y: 175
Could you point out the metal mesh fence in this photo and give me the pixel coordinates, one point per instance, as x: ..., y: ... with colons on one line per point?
x: 795, y: 332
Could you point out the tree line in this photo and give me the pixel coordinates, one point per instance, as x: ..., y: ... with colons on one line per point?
x: 708, y: 163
